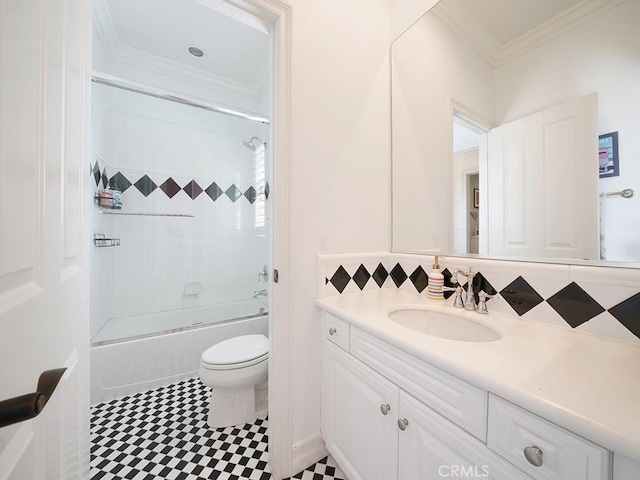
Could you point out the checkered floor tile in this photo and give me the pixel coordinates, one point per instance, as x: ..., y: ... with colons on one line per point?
x: 163, y: 434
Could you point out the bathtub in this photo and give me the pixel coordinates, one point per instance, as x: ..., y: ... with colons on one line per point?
x: 140, y: 360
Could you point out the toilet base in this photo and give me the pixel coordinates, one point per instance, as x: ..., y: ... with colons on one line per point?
x: 229, y: 407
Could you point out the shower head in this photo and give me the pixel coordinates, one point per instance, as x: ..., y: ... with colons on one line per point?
x: 253, y: 143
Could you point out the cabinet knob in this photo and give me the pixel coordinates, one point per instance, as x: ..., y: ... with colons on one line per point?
x: 402, y: 424
x: 332, y: 331
x: 533, y: 455
x: 385, y: 408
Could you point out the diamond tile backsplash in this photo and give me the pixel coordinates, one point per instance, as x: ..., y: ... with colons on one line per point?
x: 603, y: 300
x: 146, y: 186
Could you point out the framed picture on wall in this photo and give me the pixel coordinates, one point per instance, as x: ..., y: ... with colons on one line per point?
x: 608, y: 155
x: 476, y: 198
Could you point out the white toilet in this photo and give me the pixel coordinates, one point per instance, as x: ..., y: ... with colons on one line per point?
x: 237, y: 370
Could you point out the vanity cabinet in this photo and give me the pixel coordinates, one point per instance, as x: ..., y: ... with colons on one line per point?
x: 387, y: 415
x: 377, y: 431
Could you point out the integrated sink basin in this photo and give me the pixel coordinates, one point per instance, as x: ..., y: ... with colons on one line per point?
x: 443, y: 325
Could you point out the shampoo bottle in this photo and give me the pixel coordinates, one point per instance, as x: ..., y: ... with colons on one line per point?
x: 436, y: 282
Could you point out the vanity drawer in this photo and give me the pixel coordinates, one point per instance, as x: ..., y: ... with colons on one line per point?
x: 336, y: 330
x: 462, y: 403
x: 562, y: 454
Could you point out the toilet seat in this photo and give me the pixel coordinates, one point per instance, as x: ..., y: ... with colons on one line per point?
x: 238, y: 352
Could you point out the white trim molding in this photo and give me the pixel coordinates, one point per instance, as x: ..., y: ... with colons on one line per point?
x: 497, y: 54
x: 308, y: 452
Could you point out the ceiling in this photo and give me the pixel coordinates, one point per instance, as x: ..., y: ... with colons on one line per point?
x: 155, y: 34
x: 504, y: 29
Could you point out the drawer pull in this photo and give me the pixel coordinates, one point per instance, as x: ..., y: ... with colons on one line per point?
x: 533, y: 455
x: 402, y: 424
x: 385, y: 408
x: 332, y: 331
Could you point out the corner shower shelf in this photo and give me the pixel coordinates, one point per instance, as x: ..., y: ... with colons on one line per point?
x: 108, y: 201
x: 147, y: 214
x: 99, y: 240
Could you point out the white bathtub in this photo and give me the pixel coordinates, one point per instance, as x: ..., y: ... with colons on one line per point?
x: 120, y: 368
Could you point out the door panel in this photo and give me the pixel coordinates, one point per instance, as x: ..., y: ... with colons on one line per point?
x: 542, y: 182
x: 43, y: 319
x: 351, y: 398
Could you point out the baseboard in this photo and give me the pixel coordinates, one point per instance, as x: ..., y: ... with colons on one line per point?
x: 307, y: 452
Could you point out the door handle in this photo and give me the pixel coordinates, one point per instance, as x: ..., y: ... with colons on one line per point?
x: 24, y: 407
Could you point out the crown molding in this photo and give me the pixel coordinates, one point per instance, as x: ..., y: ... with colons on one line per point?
x: 457, y: 18
x: 556, y: 26
x: 117, y: 52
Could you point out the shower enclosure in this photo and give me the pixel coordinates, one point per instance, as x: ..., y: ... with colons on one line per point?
x: 179, y: 217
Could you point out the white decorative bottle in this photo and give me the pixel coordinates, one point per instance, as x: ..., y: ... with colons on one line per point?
x: 436, y: 282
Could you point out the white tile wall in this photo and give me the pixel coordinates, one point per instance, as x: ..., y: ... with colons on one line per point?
x: 219, y: 248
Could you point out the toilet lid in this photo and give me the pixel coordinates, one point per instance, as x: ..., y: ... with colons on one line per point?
x: 237, y: 350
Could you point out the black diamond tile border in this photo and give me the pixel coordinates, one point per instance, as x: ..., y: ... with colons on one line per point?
x: 419, y: 279
x: 398, y: 275
x: 96, y: 173
x: 233, y: 193
x: 361, y: 277
x: 170, y: 187
x: 119, y: 182
x: 521, y: 296
x: 628, y: 314
x: 214, y: 191
x: 340, y: 279
x: 574, y: 305
x: 380, y: 275
x: 250, y: 194
x: 192, y: 189
x: 145, y: 186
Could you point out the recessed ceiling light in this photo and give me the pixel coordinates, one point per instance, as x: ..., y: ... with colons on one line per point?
x: 195, y: 51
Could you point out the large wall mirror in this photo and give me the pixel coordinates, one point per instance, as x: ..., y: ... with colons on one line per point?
x: 516, y: 131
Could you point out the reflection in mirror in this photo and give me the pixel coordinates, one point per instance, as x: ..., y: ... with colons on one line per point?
x: 496, y: 117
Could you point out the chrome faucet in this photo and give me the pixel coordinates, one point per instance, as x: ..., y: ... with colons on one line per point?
x: 457, y: 299
x: 259, y: 293
x: 469, y: 300
x: 264, y: 274
x: 482, y: 303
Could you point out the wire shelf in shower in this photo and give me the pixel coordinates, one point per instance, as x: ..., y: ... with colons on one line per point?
x: 149, y: 214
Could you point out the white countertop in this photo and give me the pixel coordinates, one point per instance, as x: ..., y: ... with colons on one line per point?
x: 587, y: 384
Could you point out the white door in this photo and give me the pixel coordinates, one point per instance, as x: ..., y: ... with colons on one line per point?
x: 44, y: 320
x: 543, y: 184
x: 360, y: 436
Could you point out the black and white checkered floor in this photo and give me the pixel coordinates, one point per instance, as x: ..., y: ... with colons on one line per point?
x: 163, y: 434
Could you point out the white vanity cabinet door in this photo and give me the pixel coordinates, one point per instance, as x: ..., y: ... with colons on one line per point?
x: 431, y: 447
x: 362, y: 439
x: 563, y: 454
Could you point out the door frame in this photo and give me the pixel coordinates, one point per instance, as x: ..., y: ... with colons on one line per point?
x: 280, y: 435
x: 277, y: 14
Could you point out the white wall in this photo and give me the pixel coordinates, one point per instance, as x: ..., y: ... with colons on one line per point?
x: 602, y: 55
x: 340, y: 174
x: 220, y: 248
